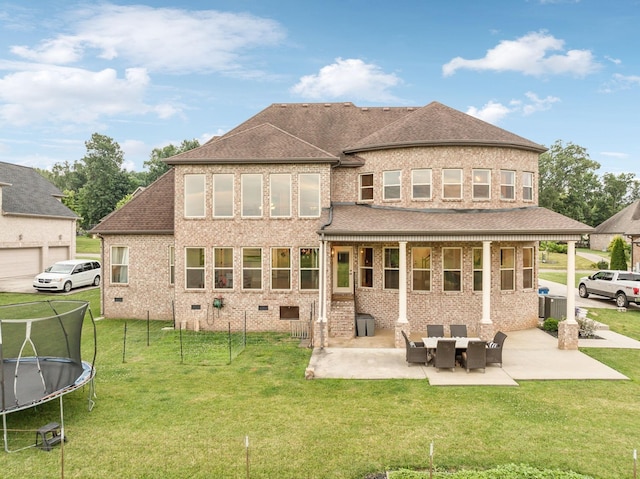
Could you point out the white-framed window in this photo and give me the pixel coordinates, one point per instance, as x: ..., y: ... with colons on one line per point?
x: 507, y: 269
x: 477, y: 269
x: 172, y: 265
x: 365, y: 264
x: 452, y: 183
x: 481, y: 184
x: 251, y: 268
x: 309, y: 195
x: 365, y: 187
x: 527, y: 268
x: 309, y: 269
x: 452, y: 269
x: 280, y: 268
x: 223, y: 195
x: 507, y: 185
x: 421, y: 184
x: 421, y: 268
x: 120, y: 264
x: 527, y: 186
x: 194, y: 268
x: 391, y: 185
x: 194, y: 186
x: 251, y: 185
x: 280, y: 195
x: 391, y: 268
x: 223, y: 268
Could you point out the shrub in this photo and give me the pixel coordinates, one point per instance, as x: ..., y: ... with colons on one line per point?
x: 553, y: 247
x: 550, y: 324
x: 602, y: 264
x: 586, y: 327
x: 618, y: 255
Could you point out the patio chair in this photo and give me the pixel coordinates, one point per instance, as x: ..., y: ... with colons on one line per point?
x: 445, y: 354
x: 494, y: 348
x: 475, y: 357
x: 416, y: 352
x: 458, y: 330
x: 435, y: 331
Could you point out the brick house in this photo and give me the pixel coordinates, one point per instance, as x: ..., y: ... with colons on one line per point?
x: 625, y: 223
x: 411, y: 215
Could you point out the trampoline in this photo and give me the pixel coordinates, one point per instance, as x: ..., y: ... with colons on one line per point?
x: 40, y: 354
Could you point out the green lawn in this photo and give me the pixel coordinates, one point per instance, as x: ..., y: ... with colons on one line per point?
x: 156, y: 417
x: 86, y: 244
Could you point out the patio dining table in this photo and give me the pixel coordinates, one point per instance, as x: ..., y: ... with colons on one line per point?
x: 461, y: 343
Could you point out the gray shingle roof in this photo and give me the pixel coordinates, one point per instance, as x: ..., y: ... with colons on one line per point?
x: 626, y: 221
x: 27, y: 192
x: 148, y: 212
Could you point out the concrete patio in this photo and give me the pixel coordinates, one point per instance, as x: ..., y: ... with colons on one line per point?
x: 528, y: 355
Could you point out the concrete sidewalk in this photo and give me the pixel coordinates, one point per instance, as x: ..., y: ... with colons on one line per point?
x: 528, y: 355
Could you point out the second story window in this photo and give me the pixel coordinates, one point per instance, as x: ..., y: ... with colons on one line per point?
x: 194, y: 196
x: 452, y: 184
x: 309, y: 195
x: 391, y: 185
x: 280, y: 193
x: 421, y: 184
x: 366, y: 187
x: 527, y: 186
x: 223, y: 195
x: 251, y: 195
x: 481, y: 184
x: 507, y: 185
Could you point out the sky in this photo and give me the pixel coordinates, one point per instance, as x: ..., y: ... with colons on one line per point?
x: 152, y: 73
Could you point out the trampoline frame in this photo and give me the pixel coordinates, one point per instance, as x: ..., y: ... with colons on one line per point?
x: 36, y: 362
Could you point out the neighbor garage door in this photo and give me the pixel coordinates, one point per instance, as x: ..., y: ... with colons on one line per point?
x: 19, y: 262
x: 60, y: 253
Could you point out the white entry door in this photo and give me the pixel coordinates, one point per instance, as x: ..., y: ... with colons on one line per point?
x: 342, y: 270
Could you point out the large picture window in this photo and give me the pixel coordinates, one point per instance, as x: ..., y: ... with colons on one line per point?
x: 223, y: 195
x: 223, y: 268
x: 280, y: 193
x: 366, y: 267
x: 507, y: 269
x: 120, y: 264
x: 391, y: 185
x: 421, y: 267
x: 421, y: 184
x: 527, y: 268
x: 481, y: 184
x: 391, y: 268
x: 452, y: 269
x: 280, y: 268
x: 452, y: 184
x: 309, y: 195
x: 194, y: 268
x: 251, y: 195
x: 309, y: 269
x: 252, y: 268
x: 194, y: 196
x: 366, y: 187
x: 507, y: 185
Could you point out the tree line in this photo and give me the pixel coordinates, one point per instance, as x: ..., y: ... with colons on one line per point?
x: 569, y: 183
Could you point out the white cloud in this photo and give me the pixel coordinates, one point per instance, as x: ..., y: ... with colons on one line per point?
x: 491, y: 112
x: 351, y: 78
x: 538, y: 104
x: 615, y: 61
x: 615, y: 154
x: 158, y: 39
x: 529, y: 55
x: 621, y: 82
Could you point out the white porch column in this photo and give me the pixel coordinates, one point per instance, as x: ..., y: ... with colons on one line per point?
x: 320, y: 328
x: 402, y: 284
x: 571, y: 281
x: 486, y: 282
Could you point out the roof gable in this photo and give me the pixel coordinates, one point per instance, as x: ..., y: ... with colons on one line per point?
x: 625, y: 221
x: 27, y: 192
x: 438, y: 124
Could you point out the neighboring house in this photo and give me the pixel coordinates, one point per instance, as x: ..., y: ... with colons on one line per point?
x: 625, y: 223
x: 415, y: 216
x: 36, y: 228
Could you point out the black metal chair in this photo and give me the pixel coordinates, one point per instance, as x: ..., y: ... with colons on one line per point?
x: 445, y: 354
x: 458, y: 330
x: 475, y: 357
x: 416, y: 351
x: 494, y: 348
x: 435, y: 331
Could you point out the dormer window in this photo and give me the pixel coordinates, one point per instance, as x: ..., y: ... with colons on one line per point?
x: 366, y: 187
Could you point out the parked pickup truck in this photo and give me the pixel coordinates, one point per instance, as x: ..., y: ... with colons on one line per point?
x: 621, y: 285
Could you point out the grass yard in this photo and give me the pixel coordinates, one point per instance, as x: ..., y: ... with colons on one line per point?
x: 86, y: 244
x: 157, y: 418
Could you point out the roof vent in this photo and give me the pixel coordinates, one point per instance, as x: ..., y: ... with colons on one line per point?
x: 347, y: 104
x: 364, y: 108
x: 305, y: 105
x: 386, y: 108
x: 327, y: 104
x: 283, y: 105
x: 410, y: 108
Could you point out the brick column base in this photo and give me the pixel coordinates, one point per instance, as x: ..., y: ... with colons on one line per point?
x: 320, y: 334
x: 399, y: 340
x: 485, y: 331
x: 568, y: 335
